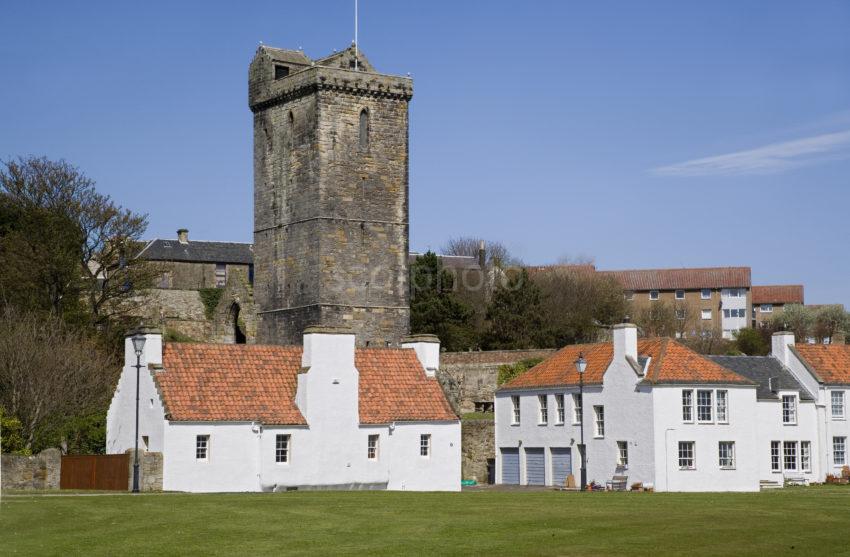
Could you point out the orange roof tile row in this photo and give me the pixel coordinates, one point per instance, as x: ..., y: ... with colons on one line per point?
x: 671, y: 362
x: 778, y: 294
x: 686, y: 279
x: 230, y: 382
x: 830, y: 361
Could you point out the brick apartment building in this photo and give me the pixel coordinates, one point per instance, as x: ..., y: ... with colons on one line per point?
x: 768, y: 301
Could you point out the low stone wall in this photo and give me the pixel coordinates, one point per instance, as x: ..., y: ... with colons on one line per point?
x: 477, y: 445
x: 150, y: 471
x: 39, y: 471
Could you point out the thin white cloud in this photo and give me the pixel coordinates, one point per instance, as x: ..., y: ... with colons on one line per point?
x: 770, y: 159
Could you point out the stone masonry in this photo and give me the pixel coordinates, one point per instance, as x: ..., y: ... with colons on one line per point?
x: 36, y: 472
x: 330, y: 196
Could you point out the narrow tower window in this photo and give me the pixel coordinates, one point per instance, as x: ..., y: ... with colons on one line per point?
x: 364, y: 130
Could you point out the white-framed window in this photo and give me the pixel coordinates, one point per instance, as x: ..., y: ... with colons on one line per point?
x: 837, y: 400
x: 686, y: 455
x: 766, y: 308
x: 839, y: 456
x: 372, y: 447
x: 559, y: 408
x: 789, y: 409
x: 281, y: 448
x: 653, y: 294
x: 220, y: 275
x: 425, y: 445
x: 515, y: 415
x: 577, y: 410
x: 806, y: 456
x: 680, y: 314
x: 622, y: 453
x: 680, y: 294
x: 734, y: 292
x: 704, y: 406
x: 775, y: 457
x: 599, y: 414
x: 705, y: 293
x: 687, y: 405
x: 789, y: 455
x: 722, y: 399
x: 202, y: 447
x: 726, y: 454
x: 705, y: 314
x: 543, y: 407
x: 629, y: 295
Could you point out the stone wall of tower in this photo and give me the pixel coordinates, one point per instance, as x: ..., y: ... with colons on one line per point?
x: 331, y: 218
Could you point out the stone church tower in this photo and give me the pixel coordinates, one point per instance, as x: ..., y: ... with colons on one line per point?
x: 330, y: 196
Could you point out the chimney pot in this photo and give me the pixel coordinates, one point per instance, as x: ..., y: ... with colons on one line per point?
x: 183, y: 235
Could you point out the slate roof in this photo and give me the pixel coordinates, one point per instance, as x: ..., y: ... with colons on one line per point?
x: 198, y: 252
x: 286, y: 55
x: 239, y: 382
x: 760, y: 369
x: 831, y: 362
x: 686, y: 279
x: 778, y: 294
x: 670, y: 363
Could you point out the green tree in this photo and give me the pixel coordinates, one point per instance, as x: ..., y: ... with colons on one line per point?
x: 434, y: 309
x: 751, y: 342
x: 10, y: 434
x: 796, y: 318
x: 514, y: 314
x: 828, y: 320
x: 509, y: 371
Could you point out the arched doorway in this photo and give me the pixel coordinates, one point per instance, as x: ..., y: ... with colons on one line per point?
x: 234, y: 324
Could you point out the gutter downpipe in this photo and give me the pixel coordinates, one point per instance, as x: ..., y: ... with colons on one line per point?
x: 666, y: 461
x: 257, y: 429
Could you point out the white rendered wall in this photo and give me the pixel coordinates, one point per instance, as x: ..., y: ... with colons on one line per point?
x: 733, y: 302
x: 834, y: 427
x: 628, y: 417
x: 412, y: 472
x: 707, y: 476
x: 120, y: 418
x: 770, y: 428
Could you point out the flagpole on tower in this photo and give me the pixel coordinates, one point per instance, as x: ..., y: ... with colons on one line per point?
x: 355, y: 35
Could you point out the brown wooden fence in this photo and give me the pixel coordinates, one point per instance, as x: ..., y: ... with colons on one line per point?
x: 110, y: 471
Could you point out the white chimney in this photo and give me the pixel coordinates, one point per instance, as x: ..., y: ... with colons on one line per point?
x: 625, y: 341
x: 427, y: 349
x: 329, y: 347
x: 779, y: 343
x: 183, y: 235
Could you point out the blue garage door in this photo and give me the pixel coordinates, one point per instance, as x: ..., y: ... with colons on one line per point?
x: 510, y: 466
x: 562, y: 464
x: 535, y: 466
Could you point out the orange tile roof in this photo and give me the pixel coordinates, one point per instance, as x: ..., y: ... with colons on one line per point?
x: 778, y: 294
x: 238, y: 382
x: 687, y: 279
x: 671, y: 362
x: 394, y: 387
x: 830, y: 361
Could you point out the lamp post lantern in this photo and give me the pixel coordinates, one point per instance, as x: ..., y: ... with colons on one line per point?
x: 581, y: 365
x: 138, y: 346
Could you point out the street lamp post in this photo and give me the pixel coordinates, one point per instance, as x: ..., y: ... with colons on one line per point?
x: 138, y: 346
x: 581, y: 365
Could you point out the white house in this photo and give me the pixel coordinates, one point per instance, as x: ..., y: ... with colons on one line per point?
x: 660, y: 414
x: 266, y: 418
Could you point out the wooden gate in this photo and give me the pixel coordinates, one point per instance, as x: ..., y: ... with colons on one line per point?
x: 107, y: 471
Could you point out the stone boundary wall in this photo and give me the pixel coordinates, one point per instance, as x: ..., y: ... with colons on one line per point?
x: 470, y: 377
x: 150, y: 471
x: 36, y: 472
x: 477, y: 445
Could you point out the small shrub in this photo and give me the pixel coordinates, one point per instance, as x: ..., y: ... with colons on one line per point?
x: 210, y: 297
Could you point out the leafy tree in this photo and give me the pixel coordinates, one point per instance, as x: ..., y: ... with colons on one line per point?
x: 752, y: 342
x: 10, y: 434
x: 434, y: 309
x: 828, y: 320
x: 514, y: 315
x: 509, y: 371
x: 496, y: 252
x: 796, y: 318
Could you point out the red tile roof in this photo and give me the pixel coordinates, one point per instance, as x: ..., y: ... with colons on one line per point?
x: 238, y: 382
x: 830, y: 361
x: 686, y: 279
x: 671, y: 362
x: 778, y: 294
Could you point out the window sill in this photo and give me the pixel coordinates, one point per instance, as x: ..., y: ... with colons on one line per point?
x: 687, y: 469
x: 599, y: 437
x: 838, y: 418
x: 559, y: 423
x: 701, y: 422
x: 543, y: 423
x: 727, y: 468
x: 789, y: 423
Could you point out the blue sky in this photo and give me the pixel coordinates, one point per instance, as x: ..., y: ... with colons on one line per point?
x: 640, y: 134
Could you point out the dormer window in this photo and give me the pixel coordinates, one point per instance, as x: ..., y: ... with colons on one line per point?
x: 280, y: 71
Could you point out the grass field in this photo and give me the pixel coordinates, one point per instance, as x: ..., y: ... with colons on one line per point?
x: 790, y: 521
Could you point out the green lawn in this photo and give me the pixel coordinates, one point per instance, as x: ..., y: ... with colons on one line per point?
x: 789, y: 521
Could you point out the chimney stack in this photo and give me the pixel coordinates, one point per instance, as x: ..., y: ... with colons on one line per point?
x: 183, y: 235
x: 427, y: 349
x: 482, y: 255
x: 625, y: 341
x: 779, y: 346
